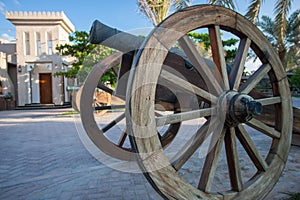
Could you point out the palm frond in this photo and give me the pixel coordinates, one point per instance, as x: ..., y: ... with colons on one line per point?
x: 145, y: 9
x: 253, y: 10
x: 225, y: 3
x: 155, y: 10
x: 266, y: 24
x: 282, y: 8
x: 180, y: 4
x: 293, y: 30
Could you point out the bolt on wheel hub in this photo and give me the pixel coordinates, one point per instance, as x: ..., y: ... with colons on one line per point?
x: 239, y: 108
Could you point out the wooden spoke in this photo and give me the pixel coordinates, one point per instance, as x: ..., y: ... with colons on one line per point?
x: 269, y: 101
x: 188, y: 87
x: 122, y: 139
x: 112, y: 123
x: 260, y: 126
x: 183, y: 116
x: 218, y: 53
x: 199, y: 63
x: 251, y: 149
x: 105, y: 88
x: 254, y: 79
x: 191, y: 146
x: 211, y: 161
x: 233, y: 160
x: 239, y: 63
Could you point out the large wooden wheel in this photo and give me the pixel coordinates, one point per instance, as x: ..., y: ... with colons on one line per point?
x: 105, y: 124
x: 230, y: 114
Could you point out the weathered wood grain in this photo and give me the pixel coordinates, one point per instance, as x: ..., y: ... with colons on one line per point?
x: 140, y: 113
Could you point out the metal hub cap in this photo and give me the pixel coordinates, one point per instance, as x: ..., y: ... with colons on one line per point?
x: 239, y: 108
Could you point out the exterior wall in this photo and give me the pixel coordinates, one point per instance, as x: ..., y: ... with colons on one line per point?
x: 4, y: 78
x: 63, y: 36
x: 6, y: 55
x: 38, y: 26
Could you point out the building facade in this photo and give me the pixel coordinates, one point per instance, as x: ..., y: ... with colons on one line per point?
x: 8, y: 75
x: 37, y: 35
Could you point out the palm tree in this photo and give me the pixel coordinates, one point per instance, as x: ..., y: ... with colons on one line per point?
x: 279, y: 29
x: 292, y: 59
x: 281, y: 10
x: 157, y: 10
x: 288, y: 47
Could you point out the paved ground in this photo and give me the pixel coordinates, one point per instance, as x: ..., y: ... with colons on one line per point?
x: 42, y: 157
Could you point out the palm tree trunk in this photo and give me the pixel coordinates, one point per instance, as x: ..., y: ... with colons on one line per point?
x: 282, y: 54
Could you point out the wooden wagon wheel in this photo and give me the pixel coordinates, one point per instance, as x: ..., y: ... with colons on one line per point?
x: 231, y: 108
x: 113, y: 143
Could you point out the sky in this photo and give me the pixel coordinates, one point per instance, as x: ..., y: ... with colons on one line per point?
x: 121, y: 14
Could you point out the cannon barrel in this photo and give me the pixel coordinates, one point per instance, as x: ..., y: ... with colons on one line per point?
x: 113, y: 38
x: 125, y: 42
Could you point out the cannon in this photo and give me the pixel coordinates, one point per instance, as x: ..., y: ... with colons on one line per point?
x: 163, y: 81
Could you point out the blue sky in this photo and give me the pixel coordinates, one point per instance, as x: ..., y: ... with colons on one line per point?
x: 122, y: 14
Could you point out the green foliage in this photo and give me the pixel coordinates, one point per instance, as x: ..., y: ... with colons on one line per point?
x: 86, y: 56
x: 95, y: 56
x: 200, y: 38
x: 230, y: 55
x: 79, y: 48
x: 295, y: 79
x: 229, y: 42
x: 110, y: 77
x: 203, y: 38
x: 287, y: 47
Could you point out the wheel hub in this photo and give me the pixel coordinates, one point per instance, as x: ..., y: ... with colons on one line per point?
x: 239, y: 108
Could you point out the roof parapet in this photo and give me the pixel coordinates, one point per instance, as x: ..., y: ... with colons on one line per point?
x: 39, y: 17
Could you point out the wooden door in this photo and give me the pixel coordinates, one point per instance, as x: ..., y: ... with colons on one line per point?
x: 45, y: 88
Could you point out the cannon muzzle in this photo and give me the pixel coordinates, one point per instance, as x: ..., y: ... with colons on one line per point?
x: 113, y: 38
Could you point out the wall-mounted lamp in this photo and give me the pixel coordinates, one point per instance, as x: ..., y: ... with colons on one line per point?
x: 19, y: 69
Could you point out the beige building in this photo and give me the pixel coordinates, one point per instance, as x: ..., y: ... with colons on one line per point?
x: 8, y: 75
x: 37, y: 35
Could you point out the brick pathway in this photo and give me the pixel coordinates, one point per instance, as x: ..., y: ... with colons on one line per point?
x: 42, y: 157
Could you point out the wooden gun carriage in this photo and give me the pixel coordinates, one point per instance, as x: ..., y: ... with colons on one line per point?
x: 163, y: 81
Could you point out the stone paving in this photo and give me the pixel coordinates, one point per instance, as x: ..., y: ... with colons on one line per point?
x: 43, y: 157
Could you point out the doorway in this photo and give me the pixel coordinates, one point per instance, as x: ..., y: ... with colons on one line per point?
x: 45, y: 88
